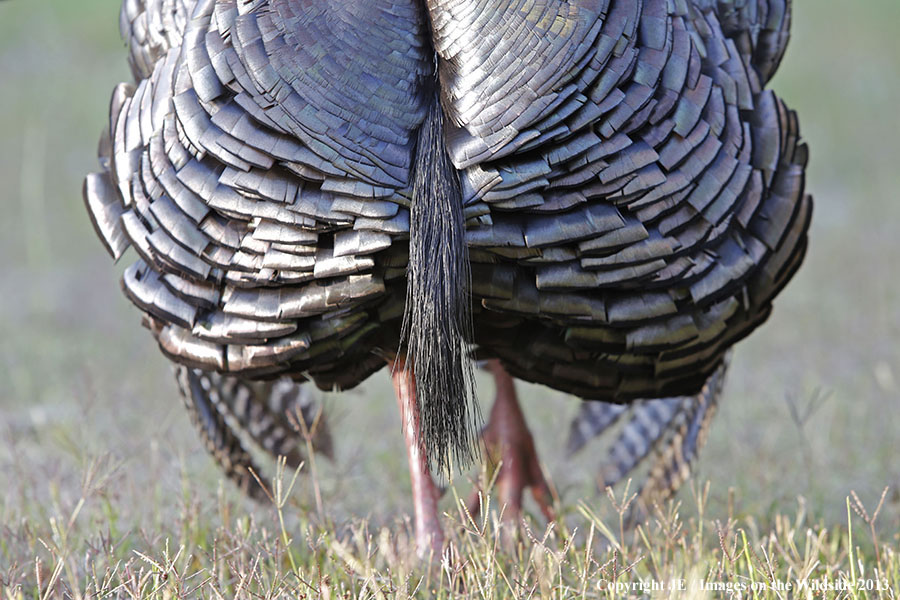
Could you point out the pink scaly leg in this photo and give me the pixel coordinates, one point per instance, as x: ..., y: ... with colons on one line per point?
x: 429, y: 536
x: 507, y: 438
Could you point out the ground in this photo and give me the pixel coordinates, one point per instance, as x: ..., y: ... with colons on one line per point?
x: 100, y: 471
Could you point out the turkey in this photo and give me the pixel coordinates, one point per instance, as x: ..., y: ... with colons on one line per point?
x: 599, y: 196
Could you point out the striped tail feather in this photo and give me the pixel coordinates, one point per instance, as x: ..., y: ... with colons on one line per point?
x: 673, y: 460
x: 664, y: 435
x: 219, y: 438
x: 593, y: 419
x: 231, y: 414
x: 646, y: 428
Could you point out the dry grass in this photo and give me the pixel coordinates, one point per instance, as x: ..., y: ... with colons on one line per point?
x: 221, y: 547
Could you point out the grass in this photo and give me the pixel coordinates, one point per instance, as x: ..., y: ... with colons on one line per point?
x: 217, y: 548
x: 103, y: 482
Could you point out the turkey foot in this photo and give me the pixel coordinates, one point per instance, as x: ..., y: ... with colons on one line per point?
x: 508, y: 442
x: 429, y: 536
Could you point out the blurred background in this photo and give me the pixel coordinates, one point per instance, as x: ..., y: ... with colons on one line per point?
x: 811, y: 404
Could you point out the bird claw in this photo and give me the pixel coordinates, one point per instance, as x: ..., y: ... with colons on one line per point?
x: 519, y: 470
x: 509, y: 447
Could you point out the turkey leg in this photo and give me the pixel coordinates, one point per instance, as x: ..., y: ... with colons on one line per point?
x: 509, y: 443
x: 429, y: 536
